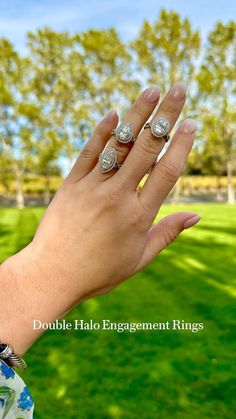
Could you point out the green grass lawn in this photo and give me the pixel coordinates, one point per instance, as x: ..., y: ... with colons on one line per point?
x: 145, y: 375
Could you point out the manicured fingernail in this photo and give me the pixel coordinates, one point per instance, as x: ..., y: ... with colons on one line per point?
x: 188, y: 126
x: 178, y: 91
x: 152, y: 93
x: 192, y: 221
x: 110, y: 115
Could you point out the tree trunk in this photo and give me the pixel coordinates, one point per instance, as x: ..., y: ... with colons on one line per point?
x: 176, y: 192
x: 218, y: 190
x: 230, y: 183
x: 47, y: 191
x: 20, y: 200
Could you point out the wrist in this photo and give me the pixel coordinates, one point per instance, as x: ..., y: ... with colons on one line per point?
x: 30, y: 289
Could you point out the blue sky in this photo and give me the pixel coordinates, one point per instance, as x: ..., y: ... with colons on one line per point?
x: 20, y: 16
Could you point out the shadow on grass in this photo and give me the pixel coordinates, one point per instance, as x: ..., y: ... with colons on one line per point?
x: 167, y: 374
x: 218, y: 229
x: 147, y: 375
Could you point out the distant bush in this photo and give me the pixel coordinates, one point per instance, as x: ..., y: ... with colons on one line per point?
x: 33, y: 185
x: 190, y: 185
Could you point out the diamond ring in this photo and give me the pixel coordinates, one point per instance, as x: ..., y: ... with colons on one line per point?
x: 159, y: 128
x: 108, y: 160
x: 124, y: 133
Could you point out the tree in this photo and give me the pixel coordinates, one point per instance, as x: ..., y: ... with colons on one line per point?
x: 217, y: 87
x: 108, y: 63
x: 15, y: 137
x: 47, y: 162
x: 6, y: 174
x: 166, y: 50
x: 58, y: 87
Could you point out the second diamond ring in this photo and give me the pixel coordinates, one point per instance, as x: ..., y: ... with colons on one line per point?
x: 124, y: 133
x: 159, y: 128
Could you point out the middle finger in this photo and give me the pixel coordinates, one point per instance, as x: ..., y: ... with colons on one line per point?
x: 147, y: 147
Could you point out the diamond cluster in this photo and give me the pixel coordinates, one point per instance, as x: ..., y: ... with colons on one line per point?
x: 124, y: 132
x: 107, y: 160
x: 160, y: 127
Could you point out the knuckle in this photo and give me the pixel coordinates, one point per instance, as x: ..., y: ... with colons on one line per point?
x: 171, y: 108
x: 148, y: 146
x: 169, y: 235
x: 137, y: 218
x: 112, y: 195
x: 169, y: 171
x: 121, y: 149
x: 138, y: 110
x: 87, y: 152
x: 100, y: 129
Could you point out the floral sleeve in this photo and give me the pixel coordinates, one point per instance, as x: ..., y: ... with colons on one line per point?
x: 15, y: 399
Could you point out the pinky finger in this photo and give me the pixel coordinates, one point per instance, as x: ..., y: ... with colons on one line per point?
x: 88, y: 156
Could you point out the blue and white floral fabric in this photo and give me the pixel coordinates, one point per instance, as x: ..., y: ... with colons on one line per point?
x: 15, y: 399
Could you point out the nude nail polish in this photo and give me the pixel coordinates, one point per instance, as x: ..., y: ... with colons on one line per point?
x: 192, y: 221
x: 178, y: 91
x: 152, y: 93
x: 188, y: 126
x: 110, y: 115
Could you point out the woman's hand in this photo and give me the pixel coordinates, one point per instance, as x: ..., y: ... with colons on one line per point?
x: 98, y: 230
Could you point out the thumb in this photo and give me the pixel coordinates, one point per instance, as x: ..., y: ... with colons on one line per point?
x: 165, y: 232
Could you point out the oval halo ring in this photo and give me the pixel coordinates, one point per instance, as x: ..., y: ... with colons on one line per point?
x: 124, y: 133
x: 159, y: 128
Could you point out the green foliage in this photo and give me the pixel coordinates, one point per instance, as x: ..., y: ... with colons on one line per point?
x: 144, y: 375
x: 107, y: 61
x: 32, y: 184
x: 167, y: 49
x: 51, y: 99
x: 217, y: 86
